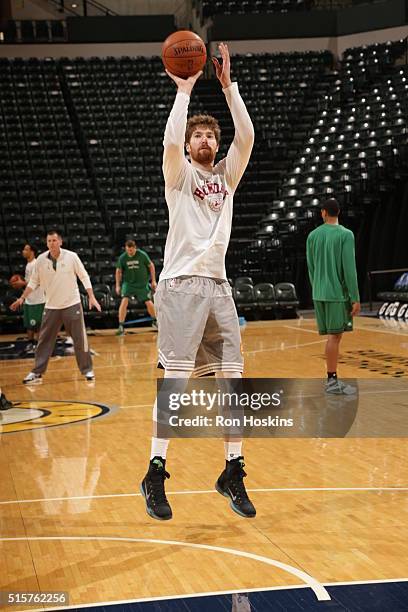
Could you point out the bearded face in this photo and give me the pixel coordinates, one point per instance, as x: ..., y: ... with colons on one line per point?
x: 203, y: 146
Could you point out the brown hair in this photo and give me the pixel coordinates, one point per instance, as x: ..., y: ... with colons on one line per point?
x: 130, y: 243
x: 207, y: 120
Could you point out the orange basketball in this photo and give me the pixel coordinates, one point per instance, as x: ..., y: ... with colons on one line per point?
x: 15, y: 278
x: 184, y: 53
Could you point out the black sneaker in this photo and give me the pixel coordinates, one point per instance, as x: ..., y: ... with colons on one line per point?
x: 152, y: 489
x: 231, y: 484
x: 4, y: 403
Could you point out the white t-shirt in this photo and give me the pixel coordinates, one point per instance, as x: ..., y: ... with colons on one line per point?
x: 60, y: 285
x: 37, y: 296
x: 201, y: 203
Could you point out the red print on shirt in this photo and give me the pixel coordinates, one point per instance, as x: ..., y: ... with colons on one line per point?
x: 215, y: 194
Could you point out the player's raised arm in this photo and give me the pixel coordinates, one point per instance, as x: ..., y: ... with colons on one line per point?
x: 241, y: 147
x: 173, y: 156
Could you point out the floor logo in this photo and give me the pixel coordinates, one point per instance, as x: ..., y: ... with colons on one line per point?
x: 377, y: 361
x: 30, y: 415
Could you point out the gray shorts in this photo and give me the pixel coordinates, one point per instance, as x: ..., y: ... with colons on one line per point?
x: 198, y: 326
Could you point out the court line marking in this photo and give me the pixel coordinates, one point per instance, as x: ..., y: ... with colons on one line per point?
x: 298, y: 328
x: 381, y: 331
x: 218, y: 593
x: 369, y: 329
x: 285, y: 348
x: 317, y: 588
x: 202, y: 492
x: 148, y: 363
x: 10, y: 364
x: 365, y: 392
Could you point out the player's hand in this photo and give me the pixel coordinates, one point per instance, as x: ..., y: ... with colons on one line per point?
x: 16, y: 305
x: 355, y: 309
x: 93, y: 303
x: 153, y: 285
x: 223, y: 71
x: 185, y: 85
x: 117, y: 289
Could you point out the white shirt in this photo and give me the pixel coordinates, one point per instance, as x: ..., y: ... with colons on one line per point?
x: 60, y: 285
x: 37, y: 296
x: 200, y: 203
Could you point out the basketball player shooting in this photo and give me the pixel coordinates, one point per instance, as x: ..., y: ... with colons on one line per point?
x: 197, y: 319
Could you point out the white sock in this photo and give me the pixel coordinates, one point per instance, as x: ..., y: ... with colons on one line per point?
x: 177, y: 374
x: 233, y: 450
x: 160, y: 445
x: 159, y: 448
x: 226, y: 374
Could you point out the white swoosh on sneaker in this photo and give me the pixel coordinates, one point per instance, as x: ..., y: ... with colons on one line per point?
x: 234, y: 497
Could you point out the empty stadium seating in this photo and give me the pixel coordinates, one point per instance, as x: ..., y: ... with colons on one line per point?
x: 44, y: 181
x: 82, y: 151
x: 264, y: 300
x: 359, y: 133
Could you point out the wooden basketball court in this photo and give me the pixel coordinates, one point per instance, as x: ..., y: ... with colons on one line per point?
x: 72, y: 456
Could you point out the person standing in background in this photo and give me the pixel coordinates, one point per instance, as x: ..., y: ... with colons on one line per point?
x: 133, y: 270
x: 33, y: 307
x: 57, y: 271
x: 333, y: 276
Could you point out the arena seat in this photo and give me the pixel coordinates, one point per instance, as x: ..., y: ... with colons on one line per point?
x: 286, y: 297
x: 265, y: 299
x: 244, y: 298
x: 243, y: 280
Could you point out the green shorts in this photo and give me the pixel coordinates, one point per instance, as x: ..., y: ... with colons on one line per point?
x: 333, y: 317
x: 32, y: 315
x: 143, y: 294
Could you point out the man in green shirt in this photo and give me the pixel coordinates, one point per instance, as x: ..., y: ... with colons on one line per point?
x: 133, y: 271
x: 333, y: 276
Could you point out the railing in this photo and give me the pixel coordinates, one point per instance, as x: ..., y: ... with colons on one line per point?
x: 82, y: 7
x: 59, y: 4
